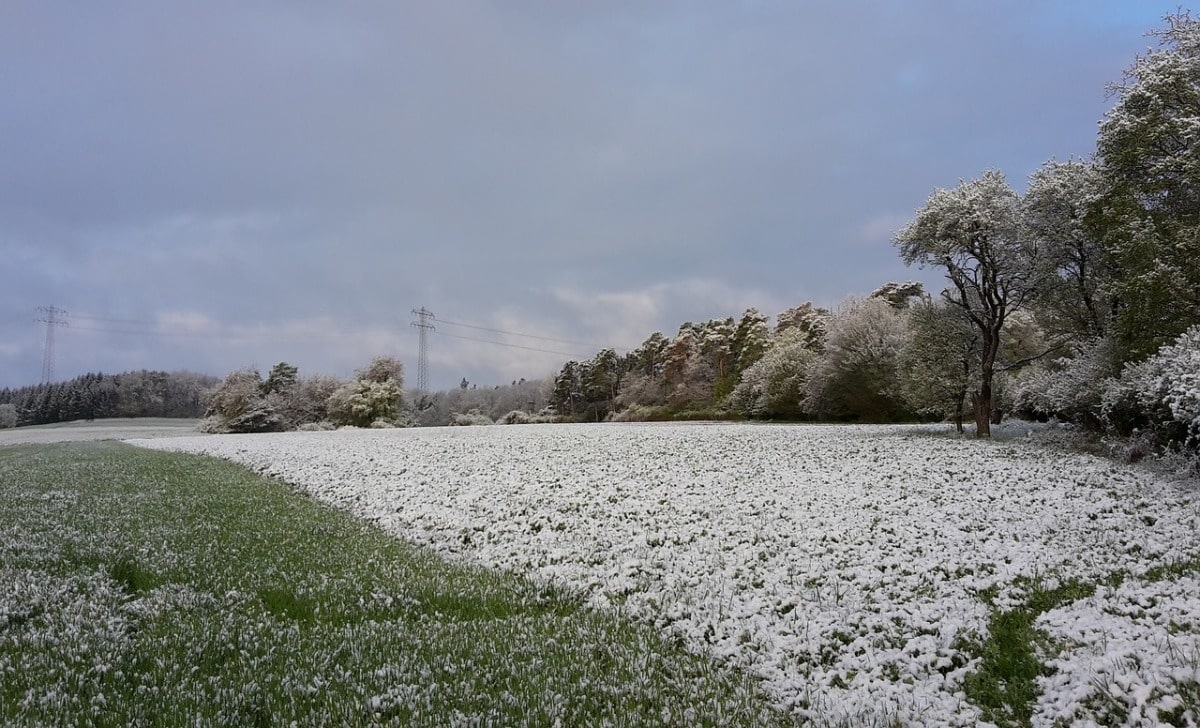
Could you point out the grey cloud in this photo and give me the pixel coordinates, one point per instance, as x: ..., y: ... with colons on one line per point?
x: 298, y: 165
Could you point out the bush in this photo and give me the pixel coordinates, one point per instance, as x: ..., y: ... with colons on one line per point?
x: 305, y: 401
x: 362, y: 402
x: 8, y: 415
x: 1181, y: 379
x: 467, y: 419
x: 238, y: 405
x: 516, y: 417
x: 1159, y: 397
x: 1072, y: 388
x: 642, y: 413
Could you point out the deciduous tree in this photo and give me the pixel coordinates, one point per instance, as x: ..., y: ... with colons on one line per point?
x: 974, y: 232
x: 1073, y: 303
x: 1148, y: 152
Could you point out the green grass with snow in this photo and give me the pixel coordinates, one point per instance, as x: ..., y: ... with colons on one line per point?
x: 151, y: 588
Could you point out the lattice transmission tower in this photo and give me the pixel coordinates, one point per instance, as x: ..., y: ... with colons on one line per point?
x: 53, y: 317
x: 423, y: 327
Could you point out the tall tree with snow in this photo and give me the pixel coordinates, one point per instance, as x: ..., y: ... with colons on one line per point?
x: 973, y: 231
x: 1055, y: 210
x: 937, y: 367
x: 1149, y: 210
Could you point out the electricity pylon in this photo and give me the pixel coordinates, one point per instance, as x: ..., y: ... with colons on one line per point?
x: 52, y: 316
x: 423, y: 328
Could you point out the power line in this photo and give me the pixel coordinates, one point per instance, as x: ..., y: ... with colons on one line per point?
x: 513, y: 333
x: 139, y: 322
x: 501, y: 343
x: 530, y: 336
x: 147, y: 332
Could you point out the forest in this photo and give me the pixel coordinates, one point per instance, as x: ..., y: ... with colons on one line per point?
x: 98, y: 396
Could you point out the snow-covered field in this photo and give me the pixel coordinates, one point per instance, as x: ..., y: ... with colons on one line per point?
x: 122, y: 428
x: 844, y: 565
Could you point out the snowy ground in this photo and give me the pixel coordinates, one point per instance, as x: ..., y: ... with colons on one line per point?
x: 842, y: 564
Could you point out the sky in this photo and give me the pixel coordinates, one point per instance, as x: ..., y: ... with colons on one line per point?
x: 233, y: 183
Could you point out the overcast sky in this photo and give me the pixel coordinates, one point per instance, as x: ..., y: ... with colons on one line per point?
x: 209, y: 186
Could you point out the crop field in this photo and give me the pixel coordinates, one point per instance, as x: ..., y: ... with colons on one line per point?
x: 862, y: 575
x: 142, y: 588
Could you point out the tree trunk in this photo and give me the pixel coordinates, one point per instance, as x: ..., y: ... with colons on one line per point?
x: 981, y: 399
x: 981, y: 408
x: 981, y: 402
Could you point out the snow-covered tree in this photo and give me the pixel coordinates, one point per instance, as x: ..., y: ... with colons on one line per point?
x: 282, y: 377
x: 8, y: 415
x: 641, y: 390
x: 374, y: 396
x: 901, y: 295
x: 649, y: 357
x: 364, y: 402
x: 1073, y: 303
x: 750, y: 340
x: 937, y: 366
x: 600, y: 379
x: 694, y: 391
x: 1148, y: 152
x: 973, y: 231
x: 805, y: 318
x: 678, y: 353
x: 383, y: 369
x: 568, y: 389
x: 717, y: 345
x: 856, y: 374
x: 238, y: 405
x: 773, y: 387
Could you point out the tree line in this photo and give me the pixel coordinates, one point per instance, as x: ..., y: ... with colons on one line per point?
x: 96, y: 396
x: 1079, y: 299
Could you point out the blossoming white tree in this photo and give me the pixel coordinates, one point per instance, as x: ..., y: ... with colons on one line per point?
x: 856, y: 375
x: 974, y: 232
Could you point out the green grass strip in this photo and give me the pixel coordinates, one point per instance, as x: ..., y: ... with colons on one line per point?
x: 1005, y: 685
x: 159, y: 589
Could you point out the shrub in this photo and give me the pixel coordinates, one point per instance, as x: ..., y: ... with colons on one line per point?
x: 1159, y: 396
x: 306, y: 401
x: 467, y: 419
x: 1071, y: 388
x: 362, y: 402
x: 237, y: 405
x: 8, y: 415
x: 516, y: 417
